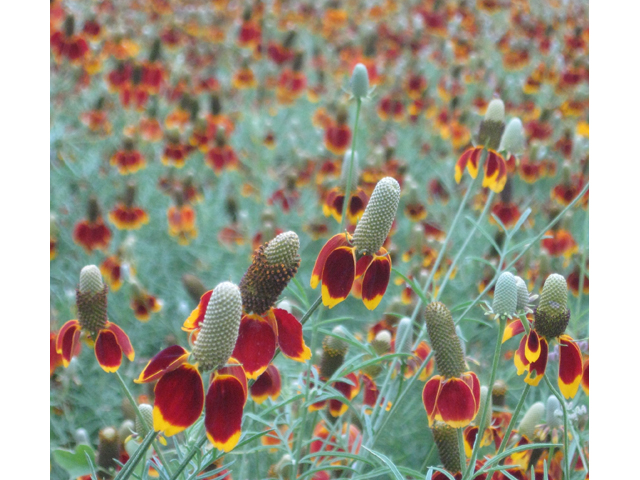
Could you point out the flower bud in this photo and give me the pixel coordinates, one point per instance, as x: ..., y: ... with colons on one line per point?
x: 492, y: 126
x: 382, y: 343
x: 553, y: 405
x: 334, y: 350
x: 378, y: 216
x: 513, y: 137
x: 219, y: 331
x: 446, y: 440
x: 108, y: 448
x: 444, y: 340
x: 499, y: 393
x: 147, y: 413
x: 533, y: 417
x: 91, y: 300
x: 505, y: 298
x: 552, y: 315
x: 360, y: 81
x: 404, y: 336
x: 523, y: 294
x: 274, y: 264
x: 127, y: 427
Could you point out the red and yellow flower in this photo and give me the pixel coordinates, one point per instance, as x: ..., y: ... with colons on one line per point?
x: 92, y: 234
x: 495, y: 167
x: 333, y: 204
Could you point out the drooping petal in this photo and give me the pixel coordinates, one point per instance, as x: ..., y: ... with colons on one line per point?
x: 290, y: 338
x: 570, y: 370
x: 362, y: 264
x: 197, y: 315
x: 268, y: 384
x: 519, y: 358
x: 512, y: 329
x: 495, y: 172
x: 430, y: 396
x: 585, y: 377
x: 108, y: 351
x: 375, y: 280
x: 462, y: 163
x: 255, y: 346
x: 349, y: 389
x: 532, y: 347
x: 537, y: 368
x: 165, y: 361
x: 339, y: 240
x: 456, y: 403
x: 371, y: 392
x: 235, y: 369
x: 338, y: 276
x: 223, y: 411
x: 123, y: 340
x: 179, y: 398
x: 470, y: 434
x: 67, y: 343
x: 471, y: 379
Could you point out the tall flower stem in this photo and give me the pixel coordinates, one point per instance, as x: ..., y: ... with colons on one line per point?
x: 127, y: 392
x: 347, y: 191
x: 565, y: 418
x: 485, y: 410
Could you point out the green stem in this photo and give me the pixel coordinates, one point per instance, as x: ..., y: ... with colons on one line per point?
x: 483, y: 417
x: 347, y: 192
x: 165, y: 464
x: 565, y: 437
x: 463, y: 459
x: 189, y: 456
x: 583, y: 265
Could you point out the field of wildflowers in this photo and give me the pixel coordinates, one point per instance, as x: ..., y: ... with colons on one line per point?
x: 319, y: 240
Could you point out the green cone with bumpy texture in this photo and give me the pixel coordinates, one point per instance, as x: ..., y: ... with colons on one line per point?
x: 376, y: 221
x: 219, y: 331
x: 333, y: 352
x: 523, y: 294
x: 446, y: 440
x: 505, y: 297
x: 533, y: 417
x: 274, y: 265
x: 552, y: 315
x: 147, y: 412
x: 492, y: 125
x: 91, y: 300
x: 444, y: 341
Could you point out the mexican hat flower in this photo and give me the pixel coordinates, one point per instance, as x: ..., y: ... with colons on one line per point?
x: 495, y: 167
x: 180, y: 391
x: 110, y: 340
x: 92, y: 233
x: 345, y: 257
x: 263, y: 327
x: 453, y: 396
x: 551, y: 318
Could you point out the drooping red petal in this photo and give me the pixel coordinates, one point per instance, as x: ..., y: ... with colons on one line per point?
x: 179, y: 398
x: 339, y: 240
x: 268, y: 384
x: 470, y: 434
x: 532, y: 347
x: 512, y: 329
x: 255, y: 346
x: 337, y: 407
x: 371, y: 391
x: 570, y: 370
x: 462, y: 163
x: 363, y: 264
x: 375, y: 280
x: 123, y: 340
x: 223, y: 411
x: 338, y: 276
x: 585, y: 377
x: 165, y: 361
x: 537, y: 368
x: 456, y: 403
x: 430, y: 396
x: 290, y: 338
x: 519, y: 358
x: 197, y: 315
x: 67, y: 343
x: 235, y: 369
x: 108, y: 351
x: 471, y: 379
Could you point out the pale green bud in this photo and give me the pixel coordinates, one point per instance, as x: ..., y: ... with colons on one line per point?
x: 360, y: 81
x: 513, y: 137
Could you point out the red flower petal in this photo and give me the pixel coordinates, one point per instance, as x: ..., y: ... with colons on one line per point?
x: 290, y: 338
x: 179, y: 400
x: 255, y: 346
x: 538, y: 367
x: 514, y: 328
x: 339, y: 240
x: 338, y: 276
x: 268, y: 384
x: 570, y: 371
x: 108, y: 351
x: 532, y: 347
x: 165, y: 361
x: 456, y: 403
x: 430, y: 396
x: 197, y: 315
x: 585, y: 377
x: 371, y: 391
x: 123, y: 340
x: 223, y: 411
x: 337, y: 407
x: 375, y: 281
x: 471, y: 379
x: 67, y: 343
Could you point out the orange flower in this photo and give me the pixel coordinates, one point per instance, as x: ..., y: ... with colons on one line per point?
x: 143, y: 304
x: 128, y: 159
x: 337, y: 135
x: 125, y: 215
x: 495, y: 168
x: 92, y: 234
x: 560, y: 243
x: 182, y: 222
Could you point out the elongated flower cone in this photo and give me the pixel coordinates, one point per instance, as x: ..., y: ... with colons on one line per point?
x: 219, y: 331
x: 505, y: 298
x: 360, y: 81
x: 444, y: 340
x: 91, y: 300
x: 404, y: 336
x: 513, y: 140
x: 333, y: 353
x: 533, y: 417
x: 552, y: 315
x: 147, y: 412
x: 492, y: 125
x: 523, y: 295
x: 274, y: 265
x: 376, y: 221
x: 446, y: 440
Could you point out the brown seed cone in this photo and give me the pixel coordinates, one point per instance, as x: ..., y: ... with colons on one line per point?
x: 333, y: 353
x: 446, y: 440
x: 92, y: 309
x: 108, y: 450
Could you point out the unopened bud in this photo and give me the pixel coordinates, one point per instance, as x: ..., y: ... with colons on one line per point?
x: 513, y: 137
x: 108, y: 448
x: 382, y: 343
x: 334, y: 350
x: 219, y: 332
x: 444, y: 340
x: 492, y: 125
x: 404, y: 336
x: 552, y: 315
x: 360, y: 81
x: 553, y: 405
x: 91, y: 300
x: 533, y: 417
x: 499, y: 393
x: 378, y: 216
x: 505, y: 297
x: 127, y: 427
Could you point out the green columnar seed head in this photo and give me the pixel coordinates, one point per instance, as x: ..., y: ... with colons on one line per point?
x: 382, y: 343
x: 108, y: 448
x: 147, y: 413
x: 484, y: 396
x: 492, y: 125
x: 273, y: 265
x: 505, y: 297
x: 404, y: 336
x: 334, y: 350
x: 444, y: 340
x: 360, y: 81
x: 499, y: 393
x: 376, y: 221
x: 513, y: 137
x: 553, y: 405
x: 533, y: 417
x: 219, y: 332
x: 446, y: 440
x: 523, y: 294
x: 91, y: 300
x: 552, y: 315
